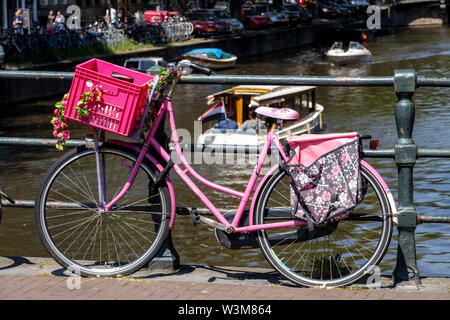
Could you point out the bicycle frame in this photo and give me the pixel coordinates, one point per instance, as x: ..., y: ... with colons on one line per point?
x: 150, y: 141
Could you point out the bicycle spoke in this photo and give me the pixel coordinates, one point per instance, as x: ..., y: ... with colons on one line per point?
x: 138, y: 220
x: 74, y: 201
x: 119, y: 224
x: 93, y: 240
x: 67, y: 214
x: 87, y: 183
x: 89, y: 193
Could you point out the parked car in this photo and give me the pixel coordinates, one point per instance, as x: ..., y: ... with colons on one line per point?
x: 225, y: 16
x: 152, y: 17
x: 347, y: 4
x: 295, y: 13
x: 343, y: 11
x: 225, y: 5
x: 144, y: 64
x: 326, y: 10
x: 207, y: 24
x: 268, y: 10
x: 252, y: 19
x: 361, y: 5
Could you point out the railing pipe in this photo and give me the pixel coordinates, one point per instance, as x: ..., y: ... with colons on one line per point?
x: 181, y: 210
x: 36, y: 75
x: 375, y: 81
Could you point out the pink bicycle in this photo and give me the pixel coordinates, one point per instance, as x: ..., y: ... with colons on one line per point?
x: 105, y: 209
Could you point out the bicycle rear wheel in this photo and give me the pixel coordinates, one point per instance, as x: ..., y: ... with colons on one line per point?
x: 79, y: 235
x: 335, y: 254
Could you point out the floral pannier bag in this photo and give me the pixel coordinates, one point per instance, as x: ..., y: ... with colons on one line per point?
x: 326, y: 183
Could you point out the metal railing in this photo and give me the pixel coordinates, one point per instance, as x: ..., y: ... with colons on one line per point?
x: 404, y: 152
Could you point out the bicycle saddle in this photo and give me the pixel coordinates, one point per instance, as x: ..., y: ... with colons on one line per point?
x: 277, y: 113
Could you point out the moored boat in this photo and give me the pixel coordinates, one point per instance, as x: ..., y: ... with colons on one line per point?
x: 211, y: 58
x: 235, y: 106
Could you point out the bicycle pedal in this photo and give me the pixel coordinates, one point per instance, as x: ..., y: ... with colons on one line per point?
x: 195, y: 217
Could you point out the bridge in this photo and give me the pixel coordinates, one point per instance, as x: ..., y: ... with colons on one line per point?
x: 417, y: 12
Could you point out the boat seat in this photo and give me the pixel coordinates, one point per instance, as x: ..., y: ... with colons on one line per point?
x: 221, y: 130
x: 273, y: 114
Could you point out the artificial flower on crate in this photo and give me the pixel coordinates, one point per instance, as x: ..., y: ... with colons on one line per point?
x: 60, y: 125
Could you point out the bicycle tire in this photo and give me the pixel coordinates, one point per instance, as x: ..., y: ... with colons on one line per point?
x: 335, y: 254
x: 92, y: 243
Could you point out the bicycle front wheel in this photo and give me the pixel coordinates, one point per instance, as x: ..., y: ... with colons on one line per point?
x: 334, y: 254
x: 81, y: 237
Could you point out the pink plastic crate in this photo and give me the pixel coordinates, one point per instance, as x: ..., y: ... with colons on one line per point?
x: 122, y: 103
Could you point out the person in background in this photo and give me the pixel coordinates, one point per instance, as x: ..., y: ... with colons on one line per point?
x: 111, y: 15
x: 227, y: 123
x: 253, y: 124
x: 59, y: 21
x: 50, y: 20
x: 18, y: 22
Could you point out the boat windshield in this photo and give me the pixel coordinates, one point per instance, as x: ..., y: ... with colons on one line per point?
x: 355, y: 45
x: 337, y: 45
x: 147, y: 64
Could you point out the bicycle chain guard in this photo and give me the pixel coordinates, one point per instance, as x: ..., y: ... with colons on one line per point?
x: 248, y: 240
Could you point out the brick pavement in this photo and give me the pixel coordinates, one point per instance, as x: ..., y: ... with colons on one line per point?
x: 42, y: 279
x: 47, y: 287
x: 43, y: 287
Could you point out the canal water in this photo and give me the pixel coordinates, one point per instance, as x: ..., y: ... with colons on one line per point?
x: 367, y: 110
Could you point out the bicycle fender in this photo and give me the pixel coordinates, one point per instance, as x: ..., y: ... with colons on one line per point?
x: 258, y: 190
x: 160, y: 168
x: 384, y: 185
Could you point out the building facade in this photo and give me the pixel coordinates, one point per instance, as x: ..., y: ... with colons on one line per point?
x: 91, y: 10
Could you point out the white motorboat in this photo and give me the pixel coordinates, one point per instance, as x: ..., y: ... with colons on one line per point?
x: 354, y: 54
x: 239, y: 101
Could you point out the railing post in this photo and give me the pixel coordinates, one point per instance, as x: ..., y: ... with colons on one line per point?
x: 406, y: 272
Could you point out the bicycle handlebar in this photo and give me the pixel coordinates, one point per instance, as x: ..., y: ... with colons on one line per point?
x: 201, y: 69
x: 196, y: 67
